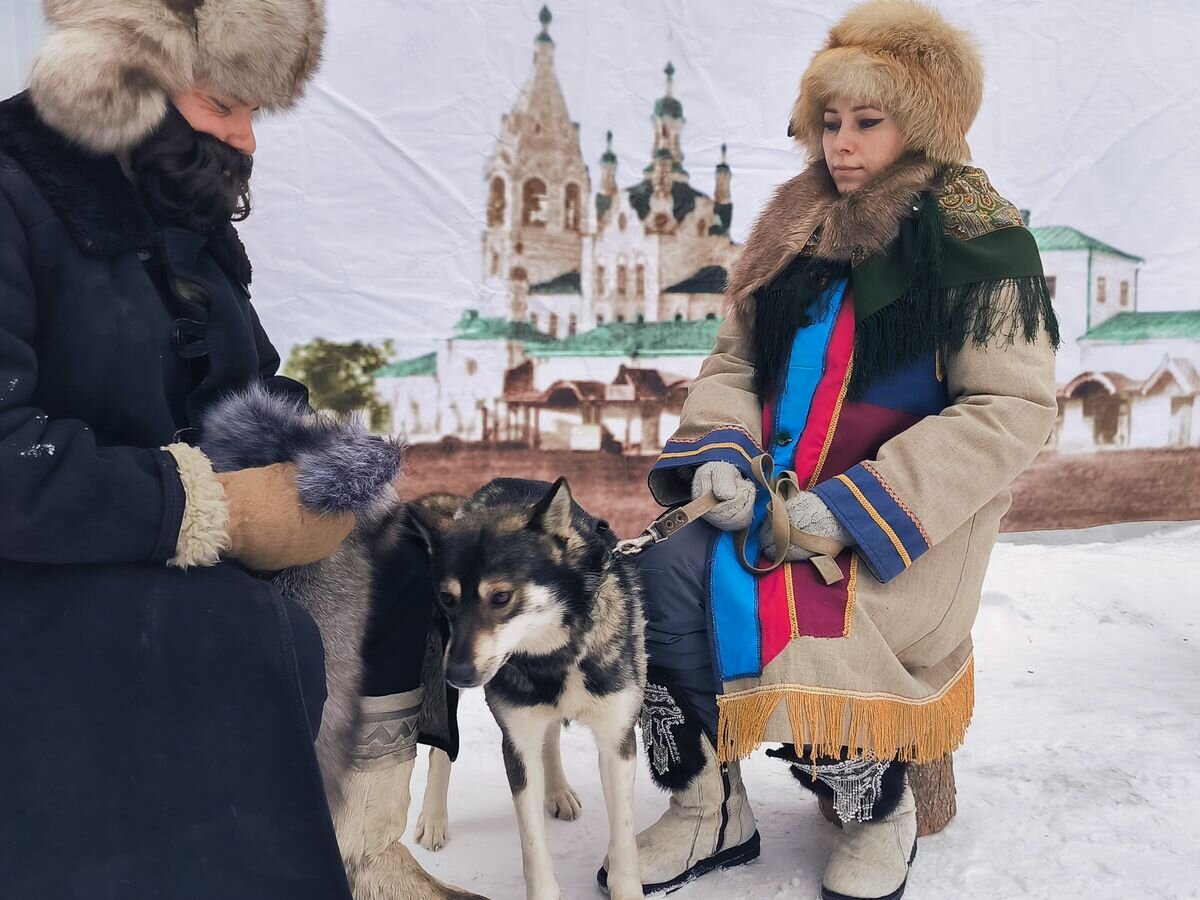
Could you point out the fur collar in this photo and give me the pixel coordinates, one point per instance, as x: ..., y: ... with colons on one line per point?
x: 808, y: 214
x: 90, y: 193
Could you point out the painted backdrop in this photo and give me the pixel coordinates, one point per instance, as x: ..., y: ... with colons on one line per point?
x: 504, y: 229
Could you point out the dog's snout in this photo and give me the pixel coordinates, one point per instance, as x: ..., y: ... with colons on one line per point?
x: 462, y: 674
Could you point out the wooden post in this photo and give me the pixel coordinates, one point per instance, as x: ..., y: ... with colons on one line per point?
x: 933, y: 787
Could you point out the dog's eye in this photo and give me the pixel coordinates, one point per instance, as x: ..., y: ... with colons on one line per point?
x: 446, y: 598
x: 501, y: 598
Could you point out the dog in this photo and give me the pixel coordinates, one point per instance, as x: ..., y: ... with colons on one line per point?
x: 340, y: 467
x: 548, y: 619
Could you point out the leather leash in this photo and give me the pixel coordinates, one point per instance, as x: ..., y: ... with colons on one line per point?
x: 780, y: 488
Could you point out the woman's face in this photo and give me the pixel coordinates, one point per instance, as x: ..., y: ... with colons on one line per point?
x: 224, y: 118
x: 860, y: 141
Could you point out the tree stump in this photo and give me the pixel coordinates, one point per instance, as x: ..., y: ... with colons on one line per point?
x: 933, y: 788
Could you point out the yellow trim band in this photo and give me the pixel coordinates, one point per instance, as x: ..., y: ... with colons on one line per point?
x: 878, y: 519
x: 833, y: 423
x: 793, y: 618
x: 680, y: 454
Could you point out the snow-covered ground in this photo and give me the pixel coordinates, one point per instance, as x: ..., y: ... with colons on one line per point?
x: 1080, y: 777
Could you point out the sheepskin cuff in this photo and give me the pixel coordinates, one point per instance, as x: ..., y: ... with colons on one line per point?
x: 204, y: 533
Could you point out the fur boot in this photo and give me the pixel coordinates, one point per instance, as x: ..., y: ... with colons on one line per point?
x: 875, y: 806
x: 708, y: 824
x: 870, y: 860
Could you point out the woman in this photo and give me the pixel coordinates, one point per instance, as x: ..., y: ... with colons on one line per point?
x: 890, y: 340
x: 160, y: 700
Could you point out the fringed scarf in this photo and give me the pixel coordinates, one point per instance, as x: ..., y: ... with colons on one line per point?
x: 936, y: 258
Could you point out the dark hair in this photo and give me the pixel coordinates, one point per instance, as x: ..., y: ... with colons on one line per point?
x: 189, y: 178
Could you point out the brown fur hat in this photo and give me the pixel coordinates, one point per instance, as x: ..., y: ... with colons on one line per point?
x: 104, y: 74
x: 903, y: 55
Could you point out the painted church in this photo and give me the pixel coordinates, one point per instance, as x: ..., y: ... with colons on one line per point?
x: 587, y: 288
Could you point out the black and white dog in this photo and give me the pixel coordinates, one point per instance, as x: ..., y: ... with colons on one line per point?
x: 548, y: 619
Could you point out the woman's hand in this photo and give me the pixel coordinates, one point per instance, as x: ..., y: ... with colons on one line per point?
x: 734, y: 490
x: 808, y: 513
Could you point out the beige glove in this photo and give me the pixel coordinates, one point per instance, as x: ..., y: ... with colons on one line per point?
x: 809, y: 514
x: 735, y: 491
x: 268, y: 527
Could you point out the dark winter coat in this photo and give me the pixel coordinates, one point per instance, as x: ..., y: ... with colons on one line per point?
x: 157, y: 722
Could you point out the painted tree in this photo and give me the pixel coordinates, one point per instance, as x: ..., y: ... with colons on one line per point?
x: 338, y: 376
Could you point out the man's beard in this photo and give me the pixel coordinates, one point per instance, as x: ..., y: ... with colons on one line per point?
x: 191, y: 179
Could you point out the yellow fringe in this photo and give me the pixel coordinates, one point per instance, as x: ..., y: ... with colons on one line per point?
x: 886, y: 725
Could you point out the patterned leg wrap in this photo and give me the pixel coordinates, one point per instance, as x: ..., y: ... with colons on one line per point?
x: 387, y: 733
x: 861, y: 788
x: 671, y: 732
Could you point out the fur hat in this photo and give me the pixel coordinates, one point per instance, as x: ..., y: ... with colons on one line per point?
x: 903, y: 55
x: 104, y: 74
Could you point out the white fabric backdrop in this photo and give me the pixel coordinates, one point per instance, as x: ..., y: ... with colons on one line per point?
x: 370, y: 198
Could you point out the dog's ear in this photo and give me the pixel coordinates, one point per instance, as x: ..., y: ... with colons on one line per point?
x: 427, y: 523
x: 552, y: 515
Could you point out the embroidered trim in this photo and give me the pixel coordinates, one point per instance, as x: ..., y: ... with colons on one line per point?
x: 388, y: 730
x: 705, y: 436
x: 877, y: 518
x: 793, y: 618
x: 679, y: 454
x: 900, y: 503
x: 833, y: 422
x: 660, y: 715
x: 851, y: 594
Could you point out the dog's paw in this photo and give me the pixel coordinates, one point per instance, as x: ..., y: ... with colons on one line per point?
x: 433, y: 829
x: 563, y: 803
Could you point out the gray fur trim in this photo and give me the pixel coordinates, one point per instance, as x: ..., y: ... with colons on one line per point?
x: 340, y: 467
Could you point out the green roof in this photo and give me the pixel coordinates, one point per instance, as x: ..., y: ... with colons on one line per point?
x: 473, y: 327
x: 409, y: 368
x: 1125, y: 328
x: 640, y: 339
x: 564, y: 284
x: 1062, y: 237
